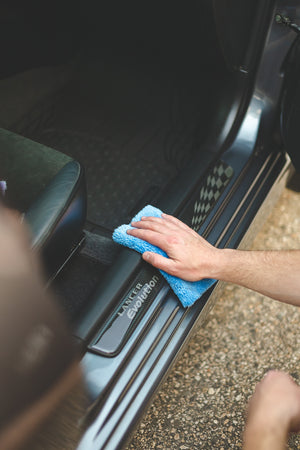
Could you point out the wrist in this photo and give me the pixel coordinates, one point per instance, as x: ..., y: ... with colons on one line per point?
x: 226, y: 263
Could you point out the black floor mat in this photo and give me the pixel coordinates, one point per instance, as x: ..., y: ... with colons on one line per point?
x: 116, y: 182
x: 133, y: 127
x: 75, y: 284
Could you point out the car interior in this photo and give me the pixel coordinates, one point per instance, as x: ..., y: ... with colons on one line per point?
x: 132, y: 93
x: 109, y: 106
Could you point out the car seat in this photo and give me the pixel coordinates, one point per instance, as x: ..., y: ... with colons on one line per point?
x: 48, y: 187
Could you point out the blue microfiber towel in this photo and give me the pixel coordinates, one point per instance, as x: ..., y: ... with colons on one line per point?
x: 187, y: 291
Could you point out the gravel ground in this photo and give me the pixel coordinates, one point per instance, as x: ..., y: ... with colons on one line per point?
x: 202, y: 404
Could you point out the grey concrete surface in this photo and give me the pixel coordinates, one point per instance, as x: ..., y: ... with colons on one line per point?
x: 202, y: 404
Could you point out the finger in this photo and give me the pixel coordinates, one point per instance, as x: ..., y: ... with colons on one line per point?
x: 159, y: 261
x: 177, y: 222
x: 166, y: 220
x: 158, y: 225
x: 16, y: 226
x: 161, y: 224
x: 150, y: 236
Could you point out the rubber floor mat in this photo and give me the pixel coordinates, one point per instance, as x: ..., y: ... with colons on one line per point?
x: 116, y: 182
x: 133, y: 127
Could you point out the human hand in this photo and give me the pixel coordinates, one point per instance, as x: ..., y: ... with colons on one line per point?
x: 191, y: 257
x: 17, y: 257
x: 275, y: 404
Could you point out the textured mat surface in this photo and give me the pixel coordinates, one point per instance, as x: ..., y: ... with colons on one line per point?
x: 116, y: 181
x: 133, y: 126
x: 75, y: 284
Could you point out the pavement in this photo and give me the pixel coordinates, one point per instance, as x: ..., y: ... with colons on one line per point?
x: 202, y: 403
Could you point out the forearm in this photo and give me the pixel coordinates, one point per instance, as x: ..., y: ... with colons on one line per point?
x: 192, y: 258
x: 275, y: 274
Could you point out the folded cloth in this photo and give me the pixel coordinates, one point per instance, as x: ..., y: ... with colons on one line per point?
x: 187, y: 291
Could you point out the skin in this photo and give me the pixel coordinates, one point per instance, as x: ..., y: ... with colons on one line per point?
x: 274, y: 409
x: 192, y: 258
x: 18, y: 259
x: 20, y: 267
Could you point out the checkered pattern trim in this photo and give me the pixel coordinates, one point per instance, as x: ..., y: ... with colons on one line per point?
x: 211, y: 190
